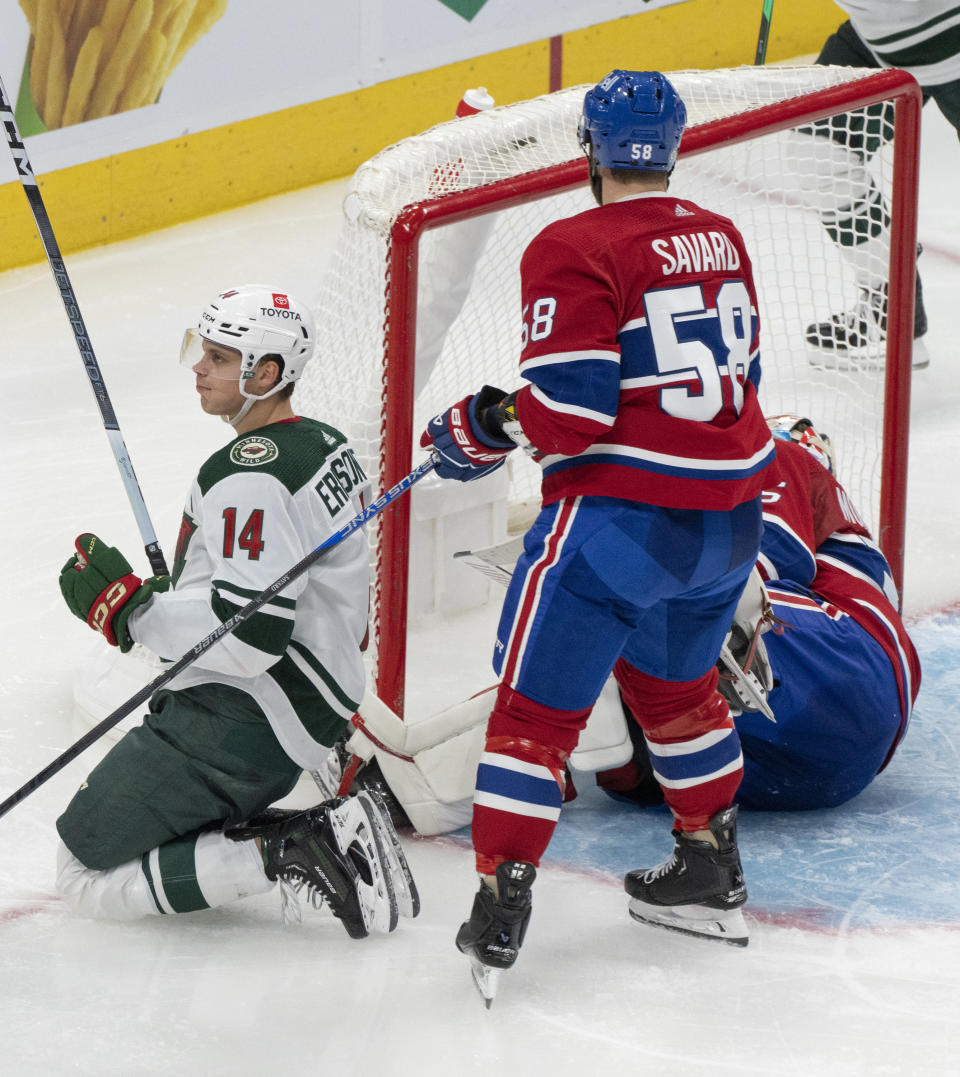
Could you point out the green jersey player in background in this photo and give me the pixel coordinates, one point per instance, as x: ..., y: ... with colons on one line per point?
x: 919, y: 36
x: 177, y: 816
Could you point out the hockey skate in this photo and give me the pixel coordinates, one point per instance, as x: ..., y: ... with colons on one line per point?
x: 855, y: 338
x: 343, y: 852
x: 697, y: 890
x: 493, y: 935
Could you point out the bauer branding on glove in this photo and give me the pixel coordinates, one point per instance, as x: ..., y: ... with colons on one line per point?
x: 466, y: 447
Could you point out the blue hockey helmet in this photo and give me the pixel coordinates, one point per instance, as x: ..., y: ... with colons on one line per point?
x: 633, y: 120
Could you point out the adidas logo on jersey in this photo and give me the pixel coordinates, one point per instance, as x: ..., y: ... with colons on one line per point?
x: 679, y: 211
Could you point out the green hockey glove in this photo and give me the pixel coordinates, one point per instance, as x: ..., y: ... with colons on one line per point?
x: 100, y: 587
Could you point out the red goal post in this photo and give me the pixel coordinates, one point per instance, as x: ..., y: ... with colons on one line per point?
x: 748, y: 152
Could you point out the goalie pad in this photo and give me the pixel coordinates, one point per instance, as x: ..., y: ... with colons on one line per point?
x: 430, y: 765
x: 494, y: 562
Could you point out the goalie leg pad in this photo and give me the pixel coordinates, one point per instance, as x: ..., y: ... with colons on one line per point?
x: 605, y: 741
x: 430, y: 764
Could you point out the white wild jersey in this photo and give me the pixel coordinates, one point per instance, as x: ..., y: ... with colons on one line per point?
x: 919, y: 36
x: 255, y: 509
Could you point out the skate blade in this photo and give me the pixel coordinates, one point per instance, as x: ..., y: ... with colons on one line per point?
x: 850, y: 360
x: 921, y: 357
x: 696, y: 920
x: 405, y: 889
x: 356, y: 826
x: 869, y: 360
x: 486, y: 980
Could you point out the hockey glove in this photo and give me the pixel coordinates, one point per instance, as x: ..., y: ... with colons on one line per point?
x: 100, y: 587
x: 466, y: 450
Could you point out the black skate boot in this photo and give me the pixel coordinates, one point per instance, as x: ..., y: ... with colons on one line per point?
x: 697, y: 890
x: 338, y: 851
x: 368, y: 776
x: 855, y: 338
x: 493, y: 935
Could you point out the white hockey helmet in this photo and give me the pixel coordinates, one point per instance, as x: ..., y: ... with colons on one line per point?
x: 800, y: 430
x: 257, y: 322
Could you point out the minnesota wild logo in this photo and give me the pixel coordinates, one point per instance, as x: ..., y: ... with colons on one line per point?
x: 253, y: 451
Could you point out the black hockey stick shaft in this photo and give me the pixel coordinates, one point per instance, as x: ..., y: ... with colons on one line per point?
x: 218, y: 633
x: 764, y: 34
x: 48, y: 239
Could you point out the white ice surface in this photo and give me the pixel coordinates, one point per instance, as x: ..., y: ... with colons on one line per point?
x: 231, y: 991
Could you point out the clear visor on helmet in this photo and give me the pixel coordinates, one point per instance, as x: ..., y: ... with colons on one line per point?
x: 218, y: 360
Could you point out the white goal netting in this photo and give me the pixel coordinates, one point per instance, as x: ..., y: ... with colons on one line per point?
x: 409, y: 322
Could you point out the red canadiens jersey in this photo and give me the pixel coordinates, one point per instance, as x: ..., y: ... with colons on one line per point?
x: 642, y: 356
x: 814, y: 536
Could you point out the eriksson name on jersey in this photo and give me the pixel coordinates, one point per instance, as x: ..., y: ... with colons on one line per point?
x: 696, y: 252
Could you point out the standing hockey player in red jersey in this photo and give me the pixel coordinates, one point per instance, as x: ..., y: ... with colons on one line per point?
x: 641, y: 350
x: 175, y: 818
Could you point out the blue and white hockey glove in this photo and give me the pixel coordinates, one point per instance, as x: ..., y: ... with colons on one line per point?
x: 466, y: 449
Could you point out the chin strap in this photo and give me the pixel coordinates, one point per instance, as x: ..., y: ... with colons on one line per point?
x: 242, y: 413
x: 249, y: 400
x: 596, y: 184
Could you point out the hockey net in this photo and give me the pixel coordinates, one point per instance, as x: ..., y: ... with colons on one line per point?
x: 419, y: 304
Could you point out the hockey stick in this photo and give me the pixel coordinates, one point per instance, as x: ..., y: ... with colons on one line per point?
x: 764, y: 35
x: 49, y: 241
x: 207, y: 642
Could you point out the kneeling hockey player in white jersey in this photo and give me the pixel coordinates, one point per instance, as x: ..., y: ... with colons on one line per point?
x: 177, y: 816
